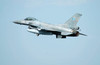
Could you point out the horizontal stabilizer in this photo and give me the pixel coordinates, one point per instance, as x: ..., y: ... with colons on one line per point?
x: 82, y: 34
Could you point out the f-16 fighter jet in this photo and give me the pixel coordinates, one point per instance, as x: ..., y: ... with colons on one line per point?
x: 68, y: 29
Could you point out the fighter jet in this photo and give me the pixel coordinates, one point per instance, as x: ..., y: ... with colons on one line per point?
x: 68, y: 29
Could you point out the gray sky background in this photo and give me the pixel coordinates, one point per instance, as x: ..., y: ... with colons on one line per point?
x: 19, y: 47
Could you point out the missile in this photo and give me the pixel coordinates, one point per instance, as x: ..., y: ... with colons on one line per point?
x: 33, y: 31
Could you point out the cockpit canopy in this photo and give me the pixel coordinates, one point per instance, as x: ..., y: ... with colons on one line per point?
x: 30, y: 19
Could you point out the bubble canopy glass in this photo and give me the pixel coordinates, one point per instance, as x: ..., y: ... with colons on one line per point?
x: 30, y: 19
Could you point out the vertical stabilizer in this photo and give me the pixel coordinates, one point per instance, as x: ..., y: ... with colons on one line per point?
x: 73, y: 20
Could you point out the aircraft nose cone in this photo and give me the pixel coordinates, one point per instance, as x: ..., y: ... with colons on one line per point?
x: 16, y: 22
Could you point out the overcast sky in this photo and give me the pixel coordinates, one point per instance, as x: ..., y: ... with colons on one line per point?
x: 19, y: 47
